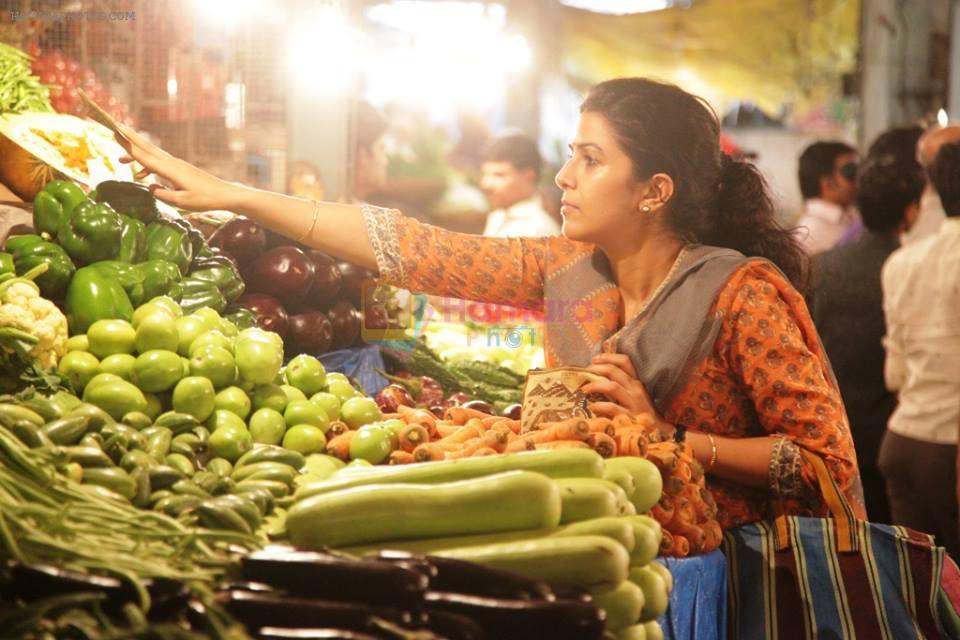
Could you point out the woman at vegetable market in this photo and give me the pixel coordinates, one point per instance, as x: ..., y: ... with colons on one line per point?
x: 662, y: 233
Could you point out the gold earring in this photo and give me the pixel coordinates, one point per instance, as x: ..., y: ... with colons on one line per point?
x: 645, y: 209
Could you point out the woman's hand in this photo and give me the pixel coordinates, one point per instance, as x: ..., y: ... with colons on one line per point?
x: 190, y: 188
x: 627, y: 394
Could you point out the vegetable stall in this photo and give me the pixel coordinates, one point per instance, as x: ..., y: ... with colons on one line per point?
x: 177, y: 461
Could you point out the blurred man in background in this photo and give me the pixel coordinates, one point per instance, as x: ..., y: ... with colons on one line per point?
x: 510, y: 177
x: 827, y: 172
x: 931, y: 209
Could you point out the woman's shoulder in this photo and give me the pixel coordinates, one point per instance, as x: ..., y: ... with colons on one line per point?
x: 757, y: 278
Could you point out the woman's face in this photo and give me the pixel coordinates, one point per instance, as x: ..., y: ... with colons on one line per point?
x: 601, y: 198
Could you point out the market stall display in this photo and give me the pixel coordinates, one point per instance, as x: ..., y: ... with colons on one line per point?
x: 144, y: 392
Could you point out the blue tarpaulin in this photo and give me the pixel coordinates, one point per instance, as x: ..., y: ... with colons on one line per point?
x: 360, y: 364
x: 698, y: 604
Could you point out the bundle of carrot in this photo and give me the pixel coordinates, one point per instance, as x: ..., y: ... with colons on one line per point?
x: 464, y: 432
x: 686, y: 510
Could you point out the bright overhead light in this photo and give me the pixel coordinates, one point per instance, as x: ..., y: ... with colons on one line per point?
x: 325, y: 53
x: 621, y: 7
x: 942, y: 118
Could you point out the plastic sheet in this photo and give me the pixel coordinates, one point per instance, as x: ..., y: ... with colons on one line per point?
x: 360, y: 364
x: 698, y: 604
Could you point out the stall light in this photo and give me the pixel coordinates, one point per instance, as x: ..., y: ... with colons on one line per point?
x: 942, y: 118
x: 231, y: 13
x: 172, y: 87
x: 234, y: 98
x: 621, y: 7
x: 325, y: 54
x: 424, y: 16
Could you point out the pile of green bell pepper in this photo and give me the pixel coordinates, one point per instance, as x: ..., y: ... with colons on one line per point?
x: 95, y: 295
x: 128, y: 198
x: 30, y: 250
x: 143, y: 281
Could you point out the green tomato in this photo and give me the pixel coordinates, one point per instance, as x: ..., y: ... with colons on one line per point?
x: 359, y: 411
x: 371, y: 444
x: 267, y: 426
x: 322, y: 465
x: 269, y: 396
x: 328, y: 402
x: 115, y: 396
x: 234, y: 400
x: 107, y: 337
x: 259, y: 357
x: 158, y: 370
x: 210, y: 339
x: 194, y: 395
x: 157, y: 331
x: 341, y: 389
x: 209, y: 316
x: 101, y: 378
x: 228, y: 328
x: 149, y: 309
x: 304, y: 438
x: 306, y: 373
x: 78, y: 367
x: 170, y: 304
x: 78, y: 343
x: 154, y: 405
x: 188, y: 330
x: 293, y: 394
x: 230, y: 441
x: 215, y: 363
x: 221, y: 418
x: 336, y: 375
x: 119, y: 364
x: 306, y: 412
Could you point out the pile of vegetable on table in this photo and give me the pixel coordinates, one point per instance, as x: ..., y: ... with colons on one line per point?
x: 168, y: 466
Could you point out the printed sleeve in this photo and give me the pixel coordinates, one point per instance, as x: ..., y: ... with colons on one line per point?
x: 776, y: 352
x: 428, y: 259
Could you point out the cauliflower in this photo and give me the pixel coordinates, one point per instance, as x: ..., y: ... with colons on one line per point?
x: 21, y: 307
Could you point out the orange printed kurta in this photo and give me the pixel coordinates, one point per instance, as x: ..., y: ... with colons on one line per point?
x: 767, y: 373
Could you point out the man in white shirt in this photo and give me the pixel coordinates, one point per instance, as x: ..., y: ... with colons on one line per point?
x: 828, y: 183
x: 921, y: 299
x: 931, y: 210
x: 511, y: 171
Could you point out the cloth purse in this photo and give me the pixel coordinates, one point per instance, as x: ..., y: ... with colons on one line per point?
x: 838, y: 577
x: 550, y: 395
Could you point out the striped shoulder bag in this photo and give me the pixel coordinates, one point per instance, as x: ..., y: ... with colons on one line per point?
x: 839, y: 577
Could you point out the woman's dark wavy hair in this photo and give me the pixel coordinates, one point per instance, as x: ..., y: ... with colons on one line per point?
x: 717, y: 200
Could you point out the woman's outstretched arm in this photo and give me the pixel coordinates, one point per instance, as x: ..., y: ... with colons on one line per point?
x: 339, y: 228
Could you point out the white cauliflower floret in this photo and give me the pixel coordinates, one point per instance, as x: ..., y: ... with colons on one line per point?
x: 23, y: 308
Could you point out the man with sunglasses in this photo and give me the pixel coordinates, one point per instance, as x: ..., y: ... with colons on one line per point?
x: 828, y: 184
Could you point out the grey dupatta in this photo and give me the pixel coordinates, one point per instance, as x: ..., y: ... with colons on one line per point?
x: 672, y: 334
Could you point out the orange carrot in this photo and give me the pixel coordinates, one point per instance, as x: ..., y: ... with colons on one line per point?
x: 498, y: 437
x: 622, y: 421
x: 461, y: 435
x: 644, y: 420
x: 714, y: 535
x: 666, y: 541
x: 422, y: 416
x: 696, y: 537
x: 428, y: 451
x: 601, y: 425
x: 468, y: 450
x: 445, y: 429
x: 561, y: 444
x: 520, y: 444
x: 569, y: 429
x: 393, y: 416
x: 683, y: 471
x: 400, y: 457
x: 663, y: 510
x: 339, y: 446
x: 674, y: 486
x: 630, y: 443
x: 683, y: 514
x: 681, y: 547
x: 602, y: 444
x: 484, y: 451
x: 412, y: 436
x: 460, y: 415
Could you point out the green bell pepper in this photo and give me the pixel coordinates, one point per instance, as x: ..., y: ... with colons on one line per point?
x: 196, y: 294
x: 242, y: 318
x: 6, y: 263
x: 128, y: 198
x: 53, y: 204
x: 167, y: 240
x: 221, y: 271
x: 91, y: 233
x: 144, y: 281
x: 31, y: 250
x: 93, y: 296
x: 133, y: 240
